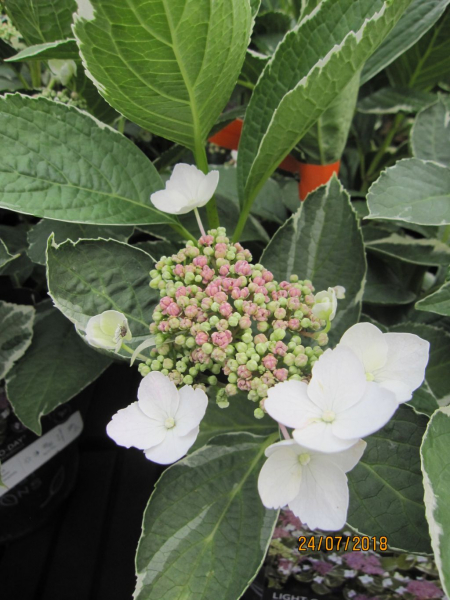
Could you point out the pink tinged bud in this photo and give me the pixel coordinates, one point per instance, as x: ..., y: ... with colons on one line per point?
x: 201, y: 338
x: 220, y: 297
x: 293, y: 303
x: 230, y: 389
x: 244, y: 385
x: 219, y: 356
x: 222, y: 325
x: 185, y: 323
x: 267, y: 276
x: 207, y: 274
x: 293, y: 292
x: 224, y: 270
x: 226, y: 369
x: 191, y: 311
x: 181, y: 291
x: 220, y: 250
x: 280, y: 349
x: 242, y: 267
x: 285, y: 285
x: 243, y: 372
x: 189, y: 269
x: 241, y: 282
x: 165, y: 302
x: 163, y: 326
x: 179, y: 270
x: 201, y: 317
x: 258, y: 281
x: 173, y: 310
x: 206, y: 303
x: 222, y: 338
x: 281, y: 374
x: 270, y: 362
x: 294, y: 324
x: 282, y: 294
x: 268, y: 379
x: 279, y: 313
x: 245, y: 322
x: 225, y: 309
x: 280, y: 324
x: 200, y: 261
x: 206, y: 240
x: 260, y: 339
x: 236, y: 294
x: 245, y: 292
x: 262, y: 314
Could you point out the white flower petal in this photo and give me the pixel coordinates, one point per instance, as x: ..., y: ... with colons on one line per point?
x: 320, y: 436
x: 158, y: 396
x: 322, y: 501
x: 338, y: 380
x: 186, y: 180
x: 368, y: 343
x: 172, y: 202
x: 371, y: 413
x: 288, y: 403
x: 101, y: 330
x: 280, y: 476
x: 404, y: 371
x: 348, y: 459
x: 207, y: 188
x: 172, y: 448
x: 191, y: 409
x: 131, y: 427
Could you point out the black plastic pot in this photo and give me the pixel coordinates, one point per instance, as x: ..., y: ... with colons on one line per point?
x: 40, y: 472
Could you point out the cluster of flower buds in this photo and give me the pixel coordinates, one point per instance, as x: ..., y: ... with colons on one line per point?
x: 220, y: 315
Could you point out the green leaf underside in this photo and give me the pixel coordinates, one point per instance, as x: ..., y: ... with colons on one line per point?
x: 205, y: 530
x: 435, y: 454
x: 292, y: 94
x: 310, y: 245
x: 15, y: 333
x: 386, y: 491
x: 41, y: 21
x: 56, y: 367
x: 418, y: 18
x: 91, y: 276
x: 430, y: 134
x: 61, y: 50
x: 57, y: 162
x: 168, y: 66
x: 414, y: 191
x: 393, y: 100
x: 416, y: 251
x: 238, y: 417
x: 439, y: 302
x: 39, y: 234
x: 5, y: 256
x: 385, y: 283
x: 438, y: 369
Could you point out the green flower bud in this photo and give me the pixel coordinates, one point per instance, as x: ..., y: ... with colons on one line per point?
x: 298, y: 314
x: 280, y: 334
x: 241, y: 347
x: 214, y: 320
x: 212, y: 380
x: 168, y: 363
x: 154, y: 283
x: 180, y: 340
x: 259, y: 299
x: 238, y: 304
x: 262, y: 326
x: 216, y: 369
x: 215, y: 306
x: 143, y: 369
x: 299, y: 350
x: 156, y: 365
x: 259, y: 413
x: 233, y: 365
x: 208, y: 251
x: 242, y: 358
x: 293, y: 278
x: 189, y: 278
x: 289, y: 359
x: 232, y: 378
x: 255, y: 357
x: 305, y: 323
x: 230, y: 350
x: 190, y: 342
x: 293, y: 371
x: 282, y: 302
x: 222, y: 403
x: 261, y: 348
x: 309, y: 351
x: 181, y: 366
x: 247, y: 338
x: 301, y: 360
x: 188, y: 380
x: 252, y: 365
x: 233, y: 321
x: 253, y: 396
x: 207, y: 348
x: 295, y: 378
x: 205, y: 326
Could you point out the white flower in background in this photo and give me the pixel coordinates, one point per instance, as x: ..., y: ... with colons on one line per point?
x: 340, y: 292
x: 312, y: 484
x: 62, y: 70
x: 395, y: 361
x: 336, y: 408
x: 108, y: 330
x: 325, y: 305
x: 164, y: 422
x: 188, y: 188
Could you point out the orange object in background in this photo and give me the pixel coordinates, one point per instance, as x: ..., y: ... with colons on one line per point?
x: 311, y: 176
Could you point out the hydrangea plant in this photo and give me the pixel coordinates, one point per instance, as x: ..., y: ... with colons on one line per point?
x: 263, y: 383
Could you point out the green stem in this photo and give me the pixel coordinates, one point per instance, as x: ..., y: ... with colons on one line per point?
x: 131, y: 351
x: 184, y: 233
x: 199, y: 222
x: 121, y: 124
x: 23, y: 81
x: 51, y: 83
x: 384, y: 146
x: 242, y: 221
x: 246, y: 84
x: 35, y: 71
x: 202, y: 164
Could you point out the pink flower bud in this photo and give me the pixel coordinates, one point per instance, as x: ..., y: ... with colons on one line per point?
x: 207, y: 274
x: 281, y: 374
x: 225, y: 309
x: 245, y: 292
x: 179, y: 270
x: 222, y: 325
x: 221, y: 338
x: 201, y: 338
x: 242, y: 267
x: 280, y: 349
x: 201, y: 317
x: 173, y: 310
x: 260, y: 339
x: 185, y: 323
x: 294, y: 324
x: 220, y: 297
x: 219, y: 356
x: 268, y: 276
x: 280, y: 324
x: 279, y: 313
x: 200, y: 261
x: 245, y: 322
x: 206, y: 240
x: 294, y: 292
x: 224, y: 270
x: 243, y: 372
x: 270, y: 362
x: 165, y: 302
x: 262, y: 314
x: 181, y: 291
x: 244, y: 385
x: 191, y: 311
x: 206, y: 303
x: 220, y: 250
x: 293, y: 303
x: 236, y: 293
x: 258, y: 281
x: 163, y: 326
x: 268, y: 378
